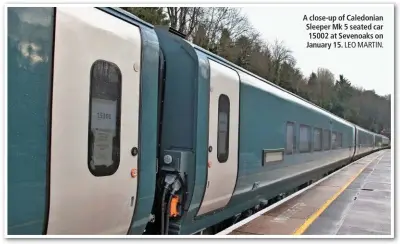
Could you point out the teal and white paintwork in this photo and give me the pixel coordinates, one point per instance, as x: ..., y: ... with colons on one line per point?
x: 30, y: 69
x: 264, y: 109
x: 148, y: 120
x: 263, y: 112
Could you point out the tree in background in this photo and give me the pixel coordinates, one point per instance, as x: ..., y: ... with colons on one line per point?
x: 155, y: 16
x: 229, y: 34
x: 185, y: 20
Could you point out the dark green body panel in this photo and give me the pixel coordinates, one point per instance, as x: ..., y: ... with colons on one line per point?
x: 30, y: 44
x: 148, y: 130
x: 180, y: 106
x: 186, y: 109
x: 179, y: 102
x: 201, y: 155
x: 263, y: 118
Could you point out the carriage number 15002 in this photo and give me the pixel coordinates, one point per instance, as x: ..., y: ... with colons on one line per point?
x: 318, y: 35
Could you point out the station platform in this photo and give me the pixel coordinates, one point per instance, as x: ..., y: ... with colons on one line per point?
x: 355, y: 200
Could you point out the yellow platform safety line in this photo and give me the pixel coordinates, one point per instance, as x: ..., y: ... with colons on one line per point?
x: 315, y: 215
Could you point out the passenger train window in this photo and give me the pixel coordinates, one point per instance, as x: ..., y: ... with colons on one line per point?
x: 339, y: 140
x: 334, y: 142
x: 223, y: 128
x: 327, y: 140
x: 317, y: 139
x: 105, y: 118
x: 305, y: 140
x: 290, y: 138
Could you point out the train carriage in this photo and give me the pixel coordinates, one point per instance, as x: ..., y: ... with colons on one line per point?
x: 82, y: 121
x: 257, y: 139
x: 364, y: 142
x: 385, y: 141
x: 120, y: 127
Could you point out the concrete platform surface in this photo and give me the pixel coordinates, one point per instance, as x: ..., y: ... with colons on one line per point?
x: 364, y: 208
x: 354, y: 200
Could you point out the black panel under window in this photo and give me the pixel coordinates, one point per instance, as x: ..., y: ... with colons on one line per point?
x: 223, y: 128
x: 105, y: 118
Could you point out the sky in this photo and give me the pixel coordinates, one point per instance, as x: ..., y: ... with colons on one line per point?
x: 371, y: 68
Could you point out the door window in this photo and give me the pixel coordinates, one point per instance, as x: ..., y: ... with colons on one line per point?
x: 223, y: 128
x: 104, y: 122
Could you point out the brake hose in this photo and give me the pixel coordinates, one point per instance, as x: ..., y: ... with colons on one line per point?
x: 176, y: 186
x: 169, y: 180
x: 167, y: 213
x: 163, y: 209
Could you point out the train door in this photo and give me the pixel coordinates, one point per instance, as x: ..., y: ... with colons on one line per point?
x: 95, y: 113
x: 223, y: 138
